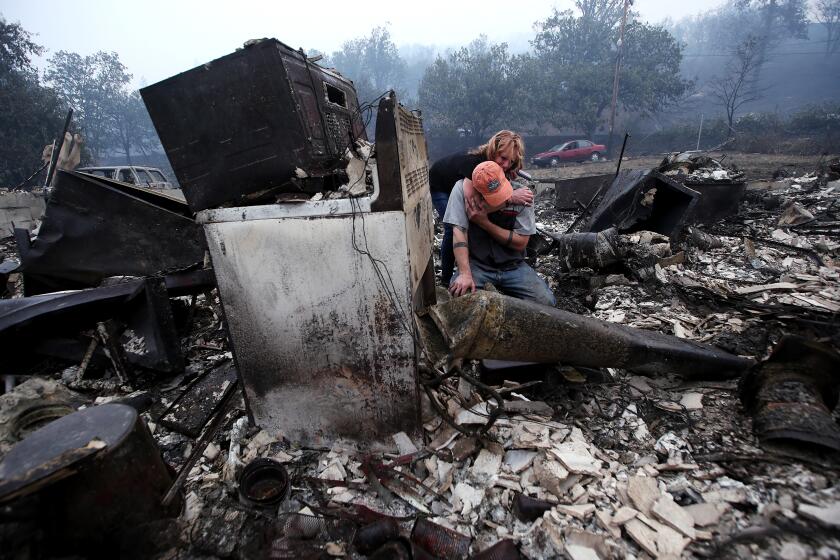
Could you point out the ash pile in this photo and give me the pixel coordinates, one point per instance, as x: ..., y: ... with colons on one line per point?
x: 680, y: 401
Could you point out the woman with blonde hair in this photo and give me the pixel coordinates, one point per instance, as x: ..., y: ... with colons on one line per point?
x: 507, y: 149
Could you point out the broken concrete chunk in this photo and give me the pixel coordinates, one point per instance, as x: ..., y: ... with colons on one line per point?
x: 578, y: 552
x: 477, y: 414
x: 672, y: 514
x: 643, y: 492
x: 606, y: 522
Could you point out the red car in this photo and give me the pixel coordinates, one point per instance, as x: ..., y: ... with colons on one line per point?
x: 575, y: 150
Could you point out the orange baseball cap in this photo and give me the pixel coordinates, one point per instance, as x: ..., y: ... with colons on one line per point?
x: 489, y: 179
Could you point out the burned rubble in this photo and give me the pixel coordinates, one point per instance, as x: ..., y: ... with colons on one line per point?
x: 305, y: 392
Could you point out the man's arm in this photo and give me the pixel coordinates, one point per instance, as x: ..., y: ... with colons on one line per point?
x: 505, y: 237
x: 463, y: 283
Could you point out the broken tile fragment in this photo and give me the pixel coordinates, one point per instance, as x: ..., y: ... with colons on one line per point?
x: 577, y: 459
x: 486, y: 465
x: 643, y: 491
x: 465, y: 497
x: 623, y: 515
x: 706, y: 514
x: 518, y: 460
x: 672, y: 514
x: 643, y: 535
x: 582, y: 511
x: 606, y: 523
x: 550, y: 474
x: 692, y: 401
x: 828, y: 515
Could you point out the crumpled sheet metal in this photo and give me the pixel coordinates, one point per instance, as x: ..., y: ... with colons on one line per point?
x: 95, y: 228
x: 593, y: 250
x: 641, y: 199
x: 490, y: 325
x: 791, y: 395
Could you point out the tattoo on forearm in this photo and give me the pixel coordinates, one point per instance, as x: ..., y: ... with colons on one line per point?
x: 510, y: 238
x: 459, y: 244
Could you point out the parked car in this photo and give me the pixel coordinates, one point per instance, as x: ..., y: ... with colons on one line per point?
x: 148, y: 177
x: 575, y: 150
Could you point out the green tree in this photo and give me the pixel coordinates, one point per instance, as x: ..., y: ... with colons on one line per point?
x: 572, y: 68
x: 133, y: 128
x: 471, y: 89
x: 30, y: 114
x: 95, y: 86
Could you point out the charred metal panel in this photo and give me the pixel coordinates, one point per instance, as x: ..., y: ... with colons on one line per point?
x: 93, y: 229
x: 568, y: 192
x: 717, y: 201
x: 320, y: 344
x: 238, y: 126
x: 793, y: 393
x: 644, y: 200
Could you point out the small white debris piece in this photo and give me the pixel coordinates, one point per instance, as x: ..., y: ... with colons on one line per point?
x: 794, y: 551
x: 234, y: 463
x: 575, y: 457
x: 477, y: 414
x: 466, y: 498
x: 192, y: 507
x: 486, y: 465
x: 644, y: 536
x: 674, y: 447
x: 640, y: 384
x: 96, y: 443
x: 300, y: 173
x: 586, y: 545
x: 692, y: 401
x: 211, y: 451
x: 404, y: 443
x: 335, y: 549
x: 643, y: 491
x: 530, y: 435
x: 261, y: 440
x: 672, y: 514
x: 333, y: 471
x: 829, y: 515
x: 706, y: 514
x: 582, y: 511
x: 518, y: 460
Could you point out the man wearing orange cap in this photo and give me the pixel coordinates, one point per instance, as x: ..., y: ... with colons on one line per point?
x: 490, y: 236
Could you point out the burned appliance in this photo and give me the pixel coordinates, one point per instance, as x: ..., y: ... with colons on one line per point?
x: 236, y: 129
x: 320, y: 296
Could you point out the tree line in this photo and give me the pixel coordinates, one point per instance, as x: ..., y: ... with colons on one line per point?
x: 107, y: 112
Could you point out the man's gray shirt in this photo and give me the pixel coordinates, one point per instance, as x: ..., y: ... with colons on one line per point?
x: 482, y: 247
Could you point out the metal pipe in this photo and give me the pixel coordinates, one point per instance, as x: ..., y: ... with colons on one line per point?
x: 489, y: 325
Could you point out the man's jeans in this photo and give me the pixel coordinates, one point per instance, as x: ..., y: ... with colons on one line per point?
x: 447, y: 257
x: 520, y: 282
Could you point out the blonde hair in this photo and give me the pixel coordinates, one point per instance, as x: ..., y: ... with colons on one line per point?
x: 500, y: 142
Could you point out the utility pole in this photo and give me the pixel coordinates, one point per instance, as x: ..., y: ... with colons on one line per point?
x: 615, y: 79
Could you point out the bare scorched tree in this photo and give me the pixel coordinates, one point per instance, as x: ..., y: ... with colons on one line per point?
x: 738, y: 85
